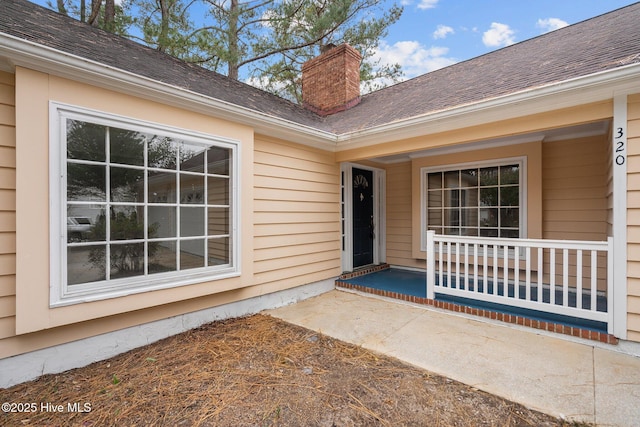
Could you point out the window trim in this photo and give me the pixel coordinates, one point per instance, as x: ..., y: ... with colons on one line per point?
x: 523, y: 186
x: 60, y: 293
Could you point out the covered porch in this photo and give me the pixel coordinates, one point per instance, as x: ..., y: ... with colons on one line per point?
x: 514, y: 228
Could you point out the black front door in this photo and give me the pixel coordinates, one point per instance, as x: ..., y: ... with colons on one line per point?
x: 363, y: 229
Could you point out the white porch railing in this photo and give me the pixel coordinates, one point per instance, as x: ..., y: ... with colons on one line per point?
x: 565, y: 277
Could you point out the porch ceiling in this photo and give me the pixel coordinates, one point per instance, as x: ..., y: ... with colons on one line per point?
x: 549, y: 135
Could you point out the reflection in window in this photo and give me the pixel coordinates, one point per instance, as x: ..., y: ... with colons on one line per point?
x: 475, y: 201
x: 143, y: 205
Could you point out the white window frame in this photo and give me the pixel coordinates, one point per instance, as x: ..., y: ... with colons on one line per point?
x: 520, y: 160
x: 62, y: 294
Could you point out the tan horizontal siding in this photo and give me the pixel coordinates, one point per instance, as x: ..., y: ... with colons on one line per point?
x: 272, y: 241
x: 271, y: 229
x: 296, y: 214
x: 7, y: 327
x: 7, y: 285
x: 7, y: 206
x: 574, y: 189
x: 399, y: 231
x: 262, y: 170
x: 633, y: 218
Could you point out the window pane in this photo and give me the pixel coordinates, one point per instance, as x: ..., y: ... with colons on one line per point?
x: 191, y: 221
x: 469, y: 232
x: 191, y: 157
x: 218, y: 160
x: 452, y: 231
x: 126, y: 223
x: 191, y: 189
x: 469, y: 217
x: 489, y: 232
x: 489, y: 196
x: 218, y: 221
x: 434, y: 198
x: 127, y: 260
x: 162, y: 187
x: 162, y: 257
x: 191, y: 254
x: 162, y: 221
x: 218, y: 191
x: 509, y: 196
x: 219, y: 251
x: 162, y: 153
x: 509, y: 217
x: 126, y: 146
x: 452, y: 179
x: 512, y: 234
x: 434, y: 217
x: 435, y: 180
x: 86, y: 141
x: 488, y: 217
x: 452, y: 217
x: 488, y: 176
x: 85, y: 223
x: 86, y: 264
x: 469, y: 197
x: 469, y: 178
x: 127, y: 185
x: 451, y: 198
x: 86, y: 183
x: 509, y: 174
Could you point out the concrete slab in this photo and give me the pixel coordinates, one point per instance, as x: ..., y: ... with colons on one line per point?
x: 617, y: 388
x: 573, y: 380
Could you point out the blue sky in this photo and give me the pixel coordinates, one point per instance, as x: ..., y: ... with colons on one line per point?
x: 432, y: 34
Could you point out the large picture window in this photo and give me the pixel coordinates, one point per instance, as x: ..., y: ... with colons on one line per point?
x: 144, y: 206
x: 475, y: 200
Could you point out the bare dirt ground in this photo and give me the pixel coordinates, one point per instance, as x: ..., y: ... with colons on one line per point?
x: 256, y: 371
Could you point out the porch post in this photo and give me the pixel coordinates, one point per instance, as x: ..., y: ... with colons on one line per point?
x: 431, y: 265
x: 618, y: 315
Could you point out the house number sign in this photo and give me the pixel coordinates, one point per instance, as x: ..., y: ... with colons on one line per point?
x: 620, y: 144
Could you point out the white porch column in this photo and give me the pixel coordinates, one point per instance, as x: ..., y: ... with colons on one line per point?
x: 619, y: 156
x: 431, y: 265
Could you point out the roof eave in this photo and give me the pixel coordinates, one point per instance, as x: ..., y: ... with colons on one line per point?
x: 42, y: 58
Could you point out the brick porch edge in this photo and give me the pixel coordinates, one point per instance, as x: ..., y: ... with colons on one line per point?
x: 494, y: 315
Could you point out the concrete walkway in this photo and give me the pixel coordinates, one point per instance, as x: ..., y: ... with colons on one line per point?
x: 578, y: 380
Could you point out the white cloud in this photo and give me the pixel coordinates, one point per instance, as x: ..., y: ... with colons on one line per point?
x: 427, y: 4
x: 551, y: 24
x: 498, y: 35
x: 414, y: 58
x: 442, y: 31
x: 422, y: 4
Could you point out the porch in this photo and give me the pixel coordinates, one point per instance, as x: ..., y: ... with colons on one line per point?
x: 558, y: 286
x: 577, y: 379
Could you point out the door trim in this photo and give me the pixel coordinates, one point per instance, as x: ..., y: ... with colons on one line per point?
x: 346, y: 211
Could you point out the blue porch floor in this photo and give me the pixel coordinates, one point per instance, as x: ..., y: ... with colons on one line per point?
x: 412, y: 283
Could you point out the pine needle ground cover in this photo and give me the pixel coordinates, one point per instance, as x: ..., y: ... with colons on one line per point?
x: 257, y: 371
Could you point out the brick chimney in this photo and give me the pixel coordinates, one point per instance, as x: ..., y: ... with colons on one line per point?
x: 331, y: 81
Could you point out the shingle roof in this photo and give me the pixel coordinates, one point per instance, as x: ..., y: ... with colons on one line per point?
x: 602, y: 43
x: 598, y: 44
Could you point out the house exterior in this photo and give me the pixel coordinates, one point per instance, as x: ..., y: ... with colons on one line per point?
x: 141, y: 196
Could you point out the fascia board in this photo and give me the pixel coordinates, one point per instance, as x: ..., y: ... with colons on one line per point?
x: 569, y: 93
x: 41, y: 58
